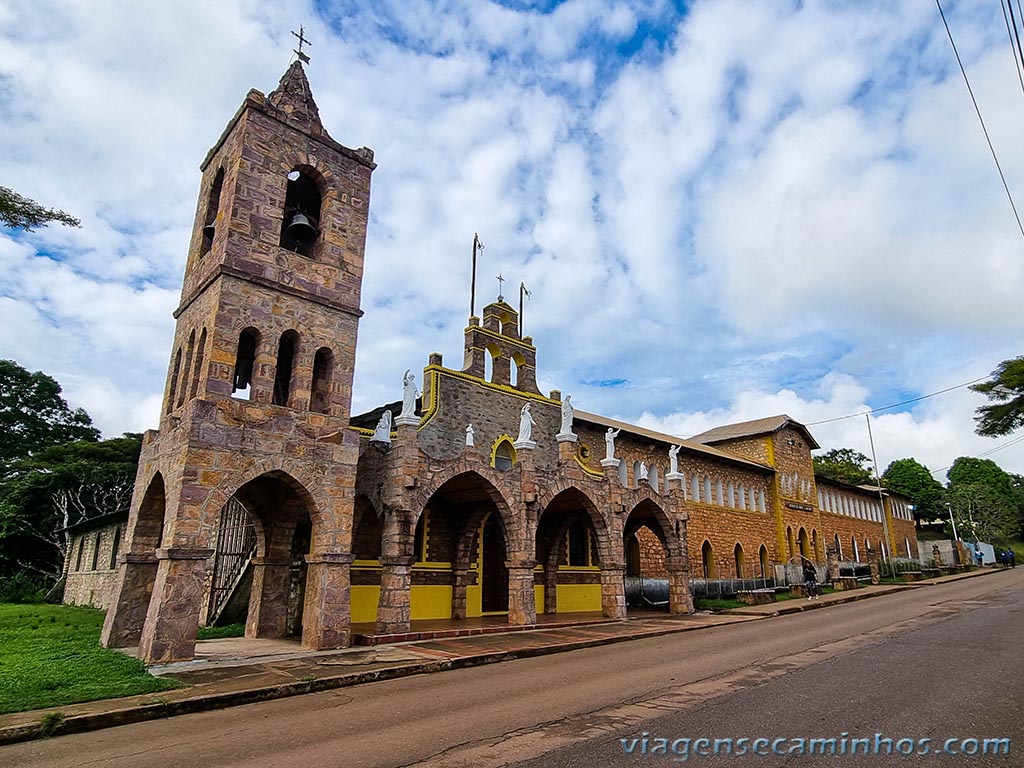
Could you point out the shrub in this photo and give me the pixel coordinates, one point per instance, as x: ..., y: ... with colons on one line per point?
x: 21, y: 588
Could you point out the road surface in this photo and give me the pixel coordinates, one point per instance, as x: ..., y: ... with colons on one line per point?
x: 935, y: 662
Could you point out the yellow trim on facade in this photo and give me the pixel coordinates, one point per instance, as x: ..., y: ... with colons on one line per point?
x: 587, y: 470
x: 495, y: 335
x: 503, y: 438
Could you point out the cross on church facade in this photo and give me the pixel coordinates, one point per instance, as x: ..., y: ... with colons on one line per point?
x: 302, y: 41
x: 500, y: 280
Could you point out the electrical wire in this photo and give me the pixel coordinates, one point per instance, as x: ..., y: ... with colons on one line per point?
x: 980, y: 118
x: 897, y: 405
x: 986, y: 453
x: 1015, y: 49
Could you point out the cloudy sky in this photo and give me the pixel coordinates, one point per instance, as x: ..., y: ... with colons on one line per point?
x: 724, y: 210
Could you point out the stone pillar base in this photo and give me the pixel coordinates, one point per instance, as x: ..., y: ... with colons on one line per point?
x: 613, y: 592
x: 524, y: 445
x: 325, y: 617
x: 268, y: 600
x: 122, y: 627
x: 676, y: 476
x: 173, y: 617
x: 567, y: 437
x: 522, y: 607
x: 614, y: 463
x: 407, y: 421
x: 394, y: 607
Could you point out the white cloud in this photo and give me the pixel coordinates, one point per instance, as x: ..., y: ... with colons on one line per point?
x: 769, y: 207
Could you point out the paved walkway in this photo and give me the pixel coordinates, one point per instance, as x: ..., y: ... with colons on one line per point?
x: 240, y: 670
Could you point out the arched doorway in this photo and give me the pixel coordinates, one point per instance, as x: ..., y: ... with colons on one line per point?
x: 269, y: 582
x: 738, y: 560
x: 461, y: 544
x: 707, y: 559
x: 122, y: 626
x: 367, y: 531
x: 644, y: 540
x: 762, y: 556
x: 805, y: 544
x: 568, y: 552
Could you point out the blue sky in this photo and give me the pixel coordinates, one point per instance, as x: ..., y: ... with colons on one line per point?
x: 724, y: 210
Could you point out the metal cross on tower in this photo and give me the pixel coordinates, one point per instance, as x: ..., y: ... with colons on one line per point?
x: 302, y: 41
x: 500, y: 280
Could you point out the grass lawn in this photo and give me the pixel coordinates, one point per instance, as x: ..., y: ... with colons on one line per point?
x: 215, y: 633
x: 50, y: 655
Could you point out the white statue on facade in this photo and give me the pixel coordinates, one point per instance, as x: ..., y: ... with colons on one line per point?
x: 643, y: 471
x: 469, y: 435
x: 382, y: 434
x: 526, y: 424
x: 409, y: 394
x: 673, y: 460
x: 609, y: 443
x: 567, y: 413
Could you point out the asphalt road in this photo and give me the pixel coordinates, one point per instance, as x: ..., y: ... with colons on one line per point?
x: 936, y: 662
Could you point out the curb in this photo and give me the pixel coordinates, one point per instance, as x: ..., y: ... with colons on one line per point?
x: 205, y: 703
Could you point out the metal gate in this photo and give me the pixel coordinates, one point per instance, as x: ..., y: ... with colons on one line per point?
x: 236, y: 545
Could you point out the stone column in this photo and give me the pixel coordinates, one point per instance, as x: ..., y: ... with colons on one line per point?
x: 326, y: 615
x: 832, y: 561
x: 173, y: 617
x: 522, y: 605
x: 393, y: 608
x: 129, y: 603
x: 462, y: 578
x: 873, y: 565
x: 268, y: 597
x: 613, y: 591
x: 680, y: 598
x: 551, y: 588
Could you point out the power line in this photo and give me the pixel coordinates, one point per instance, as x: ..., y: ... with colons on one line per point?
x: 897, y: 405
x: 1015, y: 49
x: 986, y: 453
x: 980, y: 118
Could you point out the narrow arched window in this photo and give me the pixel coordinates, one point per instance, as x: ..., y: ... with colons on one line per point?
x: 187, y: 367
x: 762, y: 556
x: 245, y: 362
x: 300, y: 225
x: 623, y: 477
x: 737, y: 556
x: 197, y: 371
x: 320, y: 395
x: 174, y: 381
x: 694, y: 488
x: 504, y: 455
x: 707, y: 557
x: 212, y: 208
x: 114, y: 546
x: 286, y: 349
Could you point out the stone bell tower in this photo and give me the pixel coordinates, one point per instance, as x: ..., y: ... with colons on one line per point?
x: 259, y: 385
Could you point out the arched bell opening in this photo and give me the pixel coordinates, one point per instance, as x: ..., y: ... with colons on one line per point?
x: 300, y: 224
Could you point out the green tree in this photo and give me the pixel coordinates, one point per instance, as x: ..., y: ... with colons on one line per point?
x: 845, y: 465
x: 982, y: 514
x: 34, y: 416
x: 912, y: 479
x: 967, y: 470
x: 1006, y: 389
x: 61, y: 485
x: 20, y: 212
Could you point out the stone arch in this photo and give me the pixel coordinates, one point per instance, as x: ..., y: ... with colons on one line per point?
x: 491, y: 483
x: 148, y: 525
x: 666, y: 531
x: 707, y: 557
x: 804, y: 544
x: 597, y: 521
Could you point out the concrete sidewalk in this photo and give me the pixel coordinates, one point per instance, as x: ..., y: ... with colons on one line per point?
x: 241, y: 671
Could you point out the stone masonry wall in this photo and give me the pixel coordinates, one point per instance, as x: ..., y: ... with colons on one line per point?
x: 86, y: 585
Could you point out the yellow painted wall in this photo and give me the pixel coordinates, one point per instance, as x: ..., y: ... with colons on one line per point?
x: 364, y: 603
x: 430, y: 601
x: 573, y: 598
x: 474, y: 601
x: 538, y: 597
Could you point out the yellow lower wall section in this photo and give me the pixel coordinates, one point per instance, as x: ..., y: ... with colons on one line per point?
x: 538, y: 597
x: 364, y: 603
x: 578, y: 597
x: 430, y: 602
x: 474, y: 601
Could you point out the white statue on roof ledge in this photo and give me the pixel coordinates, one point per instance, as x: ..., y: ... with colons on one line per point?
x: 382, y: 434
x: 409, y: 394
x: 526, y: 424
x: 565, y: 433
x: 609, y: 459
x: 673, y: 468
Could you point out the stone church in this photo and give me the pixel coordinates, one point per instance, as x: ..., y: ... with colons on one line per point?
x: 261, y: 494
